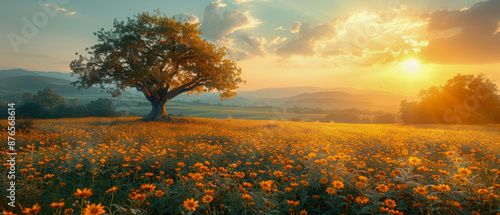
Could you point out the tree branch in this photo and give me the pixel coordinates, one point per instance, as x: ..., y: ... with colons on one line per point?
x: 145, y: 91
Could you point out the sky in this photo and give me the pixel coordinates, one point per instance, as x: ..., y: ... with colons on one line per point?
x: 400, y: 46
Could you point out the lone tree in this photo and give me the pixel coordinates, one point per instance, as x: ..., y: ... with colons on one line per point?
x: 159, y: 56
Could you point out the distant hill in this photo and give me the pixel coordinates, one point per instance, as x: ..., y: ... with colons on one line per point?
x: 372, y: 101
x: 35, y: 83
x: 14, y: 82
x: 17, y: 81
x: 21, y: 72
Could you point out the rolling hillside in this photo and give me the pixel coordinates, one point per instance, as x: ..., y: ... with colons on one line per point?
x: 14, y: 82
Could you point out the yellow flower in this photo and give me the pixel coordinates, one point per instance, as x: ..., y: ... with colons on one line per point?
x: 94, y: 209
x: 414, y: 161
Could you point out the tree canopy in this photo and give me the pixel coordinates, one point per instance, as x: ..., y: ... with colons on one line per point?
x: 160, y: 56
x: 462, y: 99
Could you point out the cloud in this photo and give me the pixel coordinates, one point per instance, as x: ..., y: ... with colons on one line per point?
x: 246, y: 1
x: 217, y: 27
x: 295, y: 27
x: 477, y: 40
x: 219, y: 3
x: 280, y: 28
x: 363, y: 37
x: 276, y: 40
x: 190, y: 18
x: 245, y: 47
x: 307, y: 38
x: 57, y: 8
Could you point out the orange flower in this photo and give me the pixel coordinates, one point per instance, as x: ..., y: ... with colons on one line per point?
x: 330, y: 190
x: 111, y: 190
x: 482, y: 191
x: 443, y: 188
x: 169, y: 181
x: 68, y: 211
x: 4, y: 212
x: 35, y: 209
x: 209, y: 191
x: 148, y: 187
x: 362, y: 200
x: 382, y: 188
x: 246, y: 197
x: 421, y: 190
x: 48, y: 176
x: 293, y: 203
x: 83, y: 193
x: 432, y: 198
x: 57, y: 205
x: 266, y: 185
x: 390, y: 203
x: 190, y: 204
x: 94, y: 209
x: 207, y: 199
x: 159, y: 193
x: 464, y: 171
x: 338, y: 184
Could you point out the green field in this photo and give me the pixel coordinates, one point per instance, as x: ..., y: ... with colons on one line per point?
x: 223, y: 112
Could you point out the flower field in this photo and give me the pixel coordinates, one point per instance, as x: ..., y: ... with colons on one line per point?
x: 209, y: 166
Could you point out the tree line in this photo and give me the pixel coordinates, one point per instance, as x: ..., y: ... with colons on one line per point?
x: 467, y: 99
x: 46, y: 104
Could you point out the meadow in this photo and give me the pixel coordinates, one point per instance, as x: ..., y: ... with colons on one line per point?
x: 239, y: 166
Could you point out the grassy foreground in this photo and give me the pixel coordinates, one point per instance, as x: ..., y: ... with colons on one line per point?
x: 209, y: 166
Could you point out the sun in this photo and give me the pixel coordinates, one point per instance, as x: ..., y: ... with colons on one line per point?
x: 411, y: 65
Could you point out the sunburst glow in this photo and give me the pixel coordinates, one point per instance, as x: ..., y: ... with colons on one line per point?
x: 411, y: 66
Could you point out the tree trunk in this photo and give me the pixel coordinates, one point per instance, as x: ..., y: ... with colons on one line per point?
x: 158, y: 112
